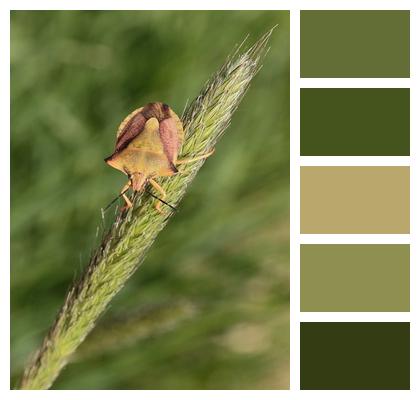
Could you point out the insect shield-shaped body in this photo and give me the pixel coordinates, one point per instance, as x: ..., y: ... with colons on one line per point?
x: 148, y: 142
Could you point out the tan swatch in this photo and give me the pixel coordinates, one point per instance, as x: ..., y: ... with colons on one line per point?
x: 354, y: 200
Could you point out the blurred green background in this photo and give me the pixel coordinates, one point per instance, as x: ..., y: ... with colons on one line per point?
x: 75, y: 76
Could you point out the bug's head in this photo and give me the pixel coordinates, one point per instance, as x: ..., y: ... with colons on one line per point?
x: 138, y: 181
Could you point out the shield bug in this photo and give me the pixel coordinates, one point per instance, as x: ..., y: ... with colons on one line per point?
x: 148, y: 143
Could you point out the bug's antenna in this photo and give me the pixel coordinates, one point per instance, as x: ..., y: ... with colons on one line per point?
x: 162, y: 201
x: 151, y: 194
x: 113, y: 201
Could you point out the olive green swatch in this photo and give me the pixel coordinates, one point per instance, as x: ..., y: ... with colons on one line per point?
x: 355, y: 277
x: 351, y: 200
x: 355, y: 44
x: 355, y: 355
x: 355, y: 122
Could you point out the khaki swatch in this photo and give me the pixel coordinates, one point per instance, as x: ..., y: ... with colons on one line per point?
x: 355, y: 277
x: 346, y: 200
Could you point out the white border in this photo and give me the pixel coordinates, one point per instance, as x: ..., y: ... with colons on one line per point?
x: 5, y: 203
x: 294, y: 199
x: 296, y: 83
x: 354, y: 317
x: 354, y: 161
x: 355, y: 82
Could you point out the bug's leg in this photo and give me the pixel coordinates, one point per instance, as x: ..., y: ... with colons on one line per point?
x: 190, y: 160
x: 161, y: 191
x: 128, y: 203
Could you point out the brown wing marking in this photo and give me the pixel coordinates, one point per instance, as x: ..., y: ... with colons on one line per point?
x: 157, y: 110
x: 132, y: 128
x: 126, y: 119
x: 169, y: 136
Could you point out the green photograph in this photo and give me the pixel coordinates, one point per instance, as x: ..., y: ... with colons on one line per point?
x: 149, y: 200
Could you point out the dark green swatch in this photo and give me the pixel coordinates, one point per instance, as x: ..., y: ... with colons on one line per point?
x: 355, y: 355
x: 355, y: 122
x: 355, y: 44
x: 355, y: 277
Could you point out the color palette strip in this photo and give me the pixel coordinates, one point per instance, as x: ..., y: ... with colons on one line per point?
x: 355, y: 355
x: 355, y: 122
x: 348, y: 200
x: 355, y: 278
x: 355, y: 44
x: 357, y: 199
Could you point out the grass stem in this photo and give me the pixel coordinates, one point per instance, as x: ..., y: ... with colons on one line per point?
x: 125, y: 245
